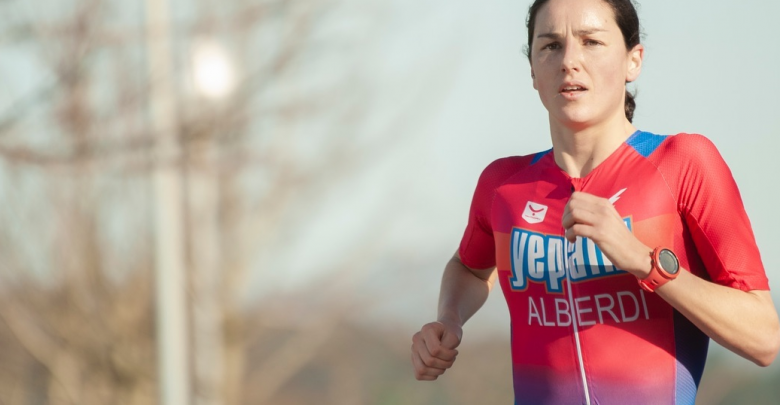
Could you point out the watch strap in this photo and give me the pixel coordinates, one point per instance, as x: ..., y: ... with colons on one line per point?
x: 658, y: 276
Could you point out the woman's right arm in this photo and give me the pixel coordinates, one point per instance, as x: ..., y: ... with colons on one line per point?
x: 463, y: 292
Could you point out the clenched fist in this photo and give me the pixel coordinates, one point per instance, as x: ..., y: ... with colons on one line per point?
x: 433, y: 349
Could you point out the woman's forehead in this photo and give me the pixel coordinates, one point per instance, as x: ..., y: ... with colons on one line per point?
x: 578, y: 15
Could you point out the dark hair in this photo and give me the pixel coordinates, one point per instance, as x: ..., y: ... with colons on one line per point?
x: 625, y: 17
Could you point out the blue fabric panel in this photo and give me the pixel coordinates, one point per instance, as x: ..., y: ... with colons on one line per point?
x: 691, y: 349
x: 645, y: 143
x: 540, y: 155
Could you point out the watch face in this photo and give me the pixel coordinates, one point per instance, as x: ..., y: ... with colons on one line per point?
x: 668, y: 261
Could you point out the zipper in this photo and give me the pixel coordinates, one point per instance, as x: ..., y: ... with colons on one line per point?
x: 568, y: 247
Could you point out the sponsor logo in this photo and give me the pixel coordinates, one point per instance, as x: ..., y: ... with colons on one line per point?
x: 614, y: 198
x: 540, y: 258
x: 617, y: 307
x: 534, y: 212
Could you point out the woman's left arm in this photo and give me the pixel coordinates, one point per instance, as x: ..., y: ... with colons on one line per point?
x: 745, y: 322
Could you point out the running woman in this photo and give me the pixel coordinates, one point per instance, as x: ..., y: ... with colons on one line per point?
x: 620, y: 252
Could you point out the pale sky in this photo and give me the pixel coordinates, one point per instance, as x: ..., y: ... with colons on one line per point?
x: 710, y: 68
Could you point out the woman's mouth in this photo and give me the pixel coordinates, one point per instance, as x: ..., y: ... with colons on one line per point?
x: 572, y: 91
x: 572, y: 88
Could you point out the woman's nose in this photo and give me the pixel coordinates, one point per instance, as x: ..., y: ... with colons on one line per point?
x: 571, y: 57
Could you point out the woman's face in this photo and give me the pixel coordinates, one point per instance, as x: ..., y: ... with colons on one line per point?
x: 580, y: 63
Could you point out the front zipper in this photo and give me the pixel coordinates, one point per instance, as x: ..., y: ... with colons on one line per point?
x: 567, y: 267
x: 574, y: 324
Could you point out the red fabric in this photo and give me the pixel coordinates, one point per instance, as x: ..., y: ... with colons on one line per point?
x: 672, y: 191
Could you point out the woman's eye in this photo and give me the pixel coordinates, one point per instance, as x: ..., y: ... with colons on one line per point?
x: 592, y: 42
x: 552, y: 46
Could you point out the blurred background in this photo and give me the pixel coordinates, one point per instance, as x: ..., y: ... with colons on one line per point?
x: 251, y: 201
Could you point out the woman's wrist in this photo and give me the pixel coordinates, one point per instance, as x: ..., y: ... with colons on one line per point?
x: 642, y: 263
x: 450, y: 319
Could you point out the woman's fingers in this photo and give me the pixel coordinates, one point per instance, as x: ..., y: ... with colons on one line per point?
x: 430, y: 357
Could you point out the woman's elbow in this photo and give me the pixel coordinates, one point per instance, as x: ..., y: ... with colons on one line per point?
x: 769, y: 347
x: 766, y: 345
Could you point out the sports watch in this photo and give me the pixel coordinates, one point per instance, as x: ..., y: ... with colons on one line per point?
x: 664, y: 267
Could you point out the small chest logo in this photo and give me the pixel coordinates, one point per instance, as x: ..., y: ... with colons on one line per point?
x: 534, y: 212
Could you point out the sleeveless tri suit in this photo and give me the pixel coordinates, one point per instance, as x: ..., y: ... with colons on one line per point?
x: 583, y: 331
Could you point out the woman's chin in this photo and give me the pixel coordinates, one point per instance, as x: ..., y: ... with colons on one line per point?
x: 573, y: 119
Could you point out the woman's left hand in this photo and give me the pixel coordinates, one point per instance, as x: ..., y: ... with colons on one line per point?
x: 595, y: 218
x: 744, y: 322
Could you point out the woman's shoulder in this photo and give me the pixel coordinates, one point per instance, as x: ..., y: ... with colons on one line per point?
x: 681, y: 147
x: 689, y: 142
x: 500, y: 170
x: 509, y: 165
x: 687, y: 157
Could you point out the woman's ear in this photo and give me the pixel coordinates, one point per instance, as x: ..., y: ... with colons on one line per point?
x: 635, y: 57
x: 533, y: 79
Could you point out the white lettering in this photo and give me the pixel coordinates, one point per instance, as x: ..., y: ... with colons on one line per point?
x: 533, y: 312
x: 594, y: 265
x: 600, y: 309
x: 608, y: 266
x: 577, y: 260
x: 562, y: 311
x: 555, y: 266
x: 580, y: 311
x: 644, y: 303
x: 518, y: 248
x: 623, y: 316
x: 590, y: 310
x: 544, y: 314
x: 535, y: 253
x: 551, y: 259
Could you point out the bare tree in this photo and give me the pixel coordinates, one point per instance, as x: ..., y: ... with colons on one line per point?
x: 76, y: 158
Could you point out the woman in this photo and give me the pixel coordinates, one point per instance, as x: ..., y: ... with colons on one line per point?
x: 620, y: 252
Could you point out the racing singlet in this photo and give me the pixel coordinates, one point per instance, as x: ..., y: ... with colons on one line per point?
x: 583, y: 331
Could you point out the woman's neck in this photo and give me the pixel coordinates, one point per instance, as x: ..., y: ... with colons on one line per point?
x: 579, y: 150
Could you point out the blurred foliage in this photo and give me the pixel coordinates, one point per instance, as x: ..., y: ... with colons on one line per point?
x: 79, y: 143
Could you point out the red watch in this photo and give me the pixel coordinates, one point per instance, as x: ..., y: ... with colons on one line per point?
x: 664, y: 267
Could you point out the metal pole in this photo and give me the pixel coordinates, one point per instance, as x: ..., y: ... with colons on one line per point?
x: 173, y: 367
x: 203, y: 197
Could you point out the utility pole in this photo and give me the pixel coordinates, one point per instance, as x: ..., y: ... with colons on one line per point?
x: 173, y: 367
x: 213, y: 74
x: 207, y: 317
